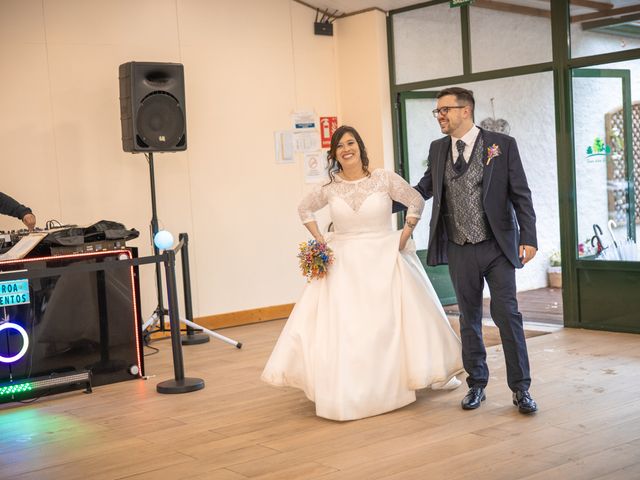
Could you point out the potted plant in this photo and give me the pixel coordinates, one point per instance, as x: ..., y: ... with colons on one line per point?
x: 554, y: 272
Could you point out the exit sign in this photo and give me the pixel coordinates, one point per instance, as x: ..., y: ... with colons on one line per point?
x: 15, y: 292
x: 459, y: 3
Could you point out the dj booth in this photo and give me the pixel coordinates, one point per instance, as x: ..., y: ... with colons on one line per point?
x: 69, y: 321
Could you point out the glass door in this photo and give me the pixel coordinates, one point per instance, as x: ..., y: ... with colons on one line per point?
x: 606, y: 161
x: 418, y: 129
x: 605, y: 182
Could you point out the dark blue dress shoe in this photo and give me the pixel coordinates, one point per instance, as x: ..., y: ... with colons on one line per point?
x: 473, y: 398
x: 522, y: 399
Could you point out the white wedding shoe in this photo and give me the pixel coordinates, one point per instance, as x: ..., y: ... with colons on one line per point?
x: 452, y: 384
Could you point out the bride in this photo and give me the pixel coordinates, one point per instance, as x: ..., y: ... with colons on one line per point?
x: 361, y: 340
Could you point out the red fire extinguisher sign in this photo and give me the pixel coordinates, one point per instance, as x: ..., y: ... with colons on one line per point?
x: 328, y: 125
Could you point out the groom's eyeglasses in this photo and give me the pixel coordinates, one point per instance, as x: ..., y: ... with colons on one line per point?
x: 444, y: 110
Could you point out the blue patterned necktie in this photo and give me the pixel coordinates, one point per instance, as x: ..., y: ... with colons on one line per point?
x: 457, y: 166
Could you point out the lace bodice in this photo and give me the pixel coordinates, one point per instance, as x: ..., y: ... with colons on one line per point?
x: 354, y: 193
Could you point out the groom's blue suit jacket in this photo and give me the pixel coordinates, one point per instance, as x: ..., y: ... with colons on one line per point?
x: 506, y: 197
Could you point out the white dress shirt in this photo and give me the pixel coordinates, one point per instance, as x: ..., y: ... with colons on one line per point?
x: 469, y: 140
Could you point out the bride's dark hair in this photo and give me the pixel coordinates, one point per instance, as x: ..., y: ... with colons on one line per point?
x: 334, y: 164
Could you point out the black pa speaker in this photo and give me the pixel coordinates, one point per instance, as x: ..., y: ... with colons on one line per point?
x: 152, y: 107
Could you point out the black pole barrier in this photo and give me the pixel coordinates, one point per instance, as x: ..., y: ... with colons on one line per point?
x: 179, y: 384
x: 191, y: 338
x: 106, y: 364
x: 42, y: 272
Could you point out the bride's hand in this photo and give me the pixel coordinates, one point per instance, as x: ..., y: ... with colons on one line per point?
x: 406, y: 233
x: 320, y: 239
x: 404, y: 238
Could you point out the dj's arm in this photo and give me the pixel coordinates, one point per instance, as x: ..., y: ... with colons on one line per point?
x: 9, y: 206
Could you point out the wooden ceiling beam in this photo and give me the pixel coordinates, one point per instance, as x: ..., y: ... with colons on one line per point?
x: 605, y: 14
x: 592, y: 4
x: 612, y: 21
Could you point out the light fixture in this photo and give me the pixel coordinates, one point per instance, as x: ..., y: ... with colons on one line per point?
x: 9, y: 390
x: 25, y: 342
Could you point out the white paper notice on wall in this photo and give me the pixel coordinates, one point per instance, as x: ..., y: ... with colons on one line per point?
x: 306, y: 141
x: 284, y: 146
x: 303, y: 120
x: 315, y: 167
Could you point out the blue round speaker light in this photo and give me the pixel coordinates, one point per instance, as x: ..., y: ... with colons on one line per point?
x: 163, y: 240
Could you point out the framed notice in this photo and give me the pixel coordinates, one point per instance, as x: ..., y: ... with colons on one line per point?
x: 315, y: 167
x: 303, y: 120
x: 284, y: 146
x: 306, y: 141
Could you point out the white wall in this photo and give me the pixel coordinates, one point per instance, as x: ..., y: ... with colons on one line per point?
x: 363, y: 81
x: 248, y: 66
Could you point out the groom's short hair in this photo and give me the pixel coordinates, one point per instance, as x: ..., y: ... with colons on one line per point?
x: 462, y: 95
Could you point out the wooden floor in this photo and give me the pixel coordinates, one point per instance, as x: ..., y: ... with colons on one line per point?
x: 587, y: 384
x: 543, y: 305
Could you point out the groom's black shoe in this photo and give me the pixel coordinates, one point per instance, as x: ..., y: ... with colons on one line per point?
x: 522, y: 399
x: 473, y: 398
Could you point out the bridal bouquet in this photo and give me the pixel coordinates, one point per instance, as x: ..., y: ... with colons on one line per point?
x: 314, y: 259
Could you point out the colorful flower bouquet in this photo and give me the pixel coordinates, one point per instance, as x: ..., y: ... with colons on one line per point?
x: 314, y: 258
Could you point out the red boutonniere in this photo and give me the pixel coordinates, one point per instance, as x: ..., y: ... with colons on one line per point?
x: 492, y: 152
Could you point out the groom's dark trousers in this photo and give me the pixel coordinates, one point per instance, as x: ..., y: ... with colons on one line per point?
x: 468, y: 266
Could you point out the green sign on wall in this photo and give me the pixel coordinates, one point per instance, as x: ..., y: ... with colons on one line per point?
x: 459, y: 3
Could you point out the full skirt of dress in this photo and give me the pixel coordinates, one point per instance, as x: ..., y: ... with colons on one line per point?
x: 361, y: 340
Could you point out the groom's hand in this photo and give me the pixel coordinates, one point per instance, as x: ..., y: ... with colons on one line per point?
x: 527, y: 252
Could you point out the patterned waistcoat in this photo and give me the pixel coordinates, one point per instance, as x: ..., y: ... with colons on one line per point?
x: 464, y: 214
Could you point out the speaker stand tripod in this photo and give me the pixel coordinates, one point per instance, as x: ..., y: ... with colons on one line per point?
x: 191, y: 337
x: 183, y: 246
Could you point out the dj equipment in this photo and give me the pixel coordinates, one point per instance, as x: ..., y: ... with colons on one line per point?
x: 88, y: 247
x: 19, y: 389
x: 152, y: 107
x: 72, y: 328
x: 11, y: 237
x: 69, y: 239
x: 8, y: 238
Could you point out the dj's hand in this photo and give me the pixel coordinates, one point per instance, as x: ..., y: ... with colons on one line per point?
x: 30, y: 221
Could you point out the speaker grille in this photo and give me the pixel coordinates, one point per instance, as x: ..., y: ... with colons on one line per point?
x: 160, y: 121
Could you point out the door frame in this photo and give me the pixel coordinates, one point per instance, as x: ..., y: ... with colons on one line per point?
x: 438, y: 275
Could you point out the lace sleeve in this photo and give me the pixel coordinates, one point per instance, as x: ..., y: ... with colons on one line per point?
x: 402, y: 192
x: 312, y: 202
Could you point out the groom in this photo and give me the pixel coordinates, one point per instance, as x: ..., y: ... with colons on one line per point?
x: 483, y: 226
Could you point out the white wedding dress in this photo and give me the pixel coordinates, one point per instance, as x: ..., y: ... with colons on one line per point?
x: 360, y: 341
